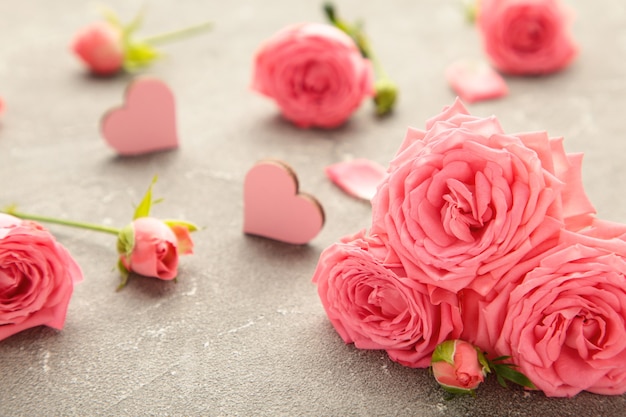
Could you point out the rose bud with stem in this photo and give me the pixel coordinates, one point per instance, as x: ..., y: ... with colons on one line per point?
x: 108, y: 47
x: 147, y: 246
x: 460, y: 367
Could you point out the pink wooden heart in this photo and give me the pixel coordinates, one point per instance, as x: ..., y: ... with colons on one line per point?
x: 274, y: 208
x: 146, y: 122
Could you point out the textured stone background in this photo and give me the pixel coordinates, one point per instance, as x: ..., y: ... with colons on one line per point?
x: 242, y: 332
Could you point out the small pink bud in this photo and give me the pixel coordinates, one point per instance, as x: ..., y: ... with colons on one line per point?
x: 149, y: 247
x: 458, y: 366
x: 100, y: 48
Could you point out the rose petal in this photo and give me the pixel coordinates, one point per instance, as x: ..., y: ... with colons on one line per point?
x: 475, y: 81
x: 359, y: 178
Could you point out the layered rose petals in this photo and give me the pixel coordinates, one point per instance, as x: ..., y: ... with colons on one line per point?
x: 564, y: 324
x: 464, y: 202
x: 375, y: 306
x: 315, y: 73
x: 526, y: 37
x: 37, y: 277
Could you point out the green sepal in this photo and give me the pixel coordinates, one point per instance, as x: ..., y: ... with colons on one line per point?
x: 124, y: 273
x: 111, y: 17
x: 444, y: 352
x: 135, y: 23
x: 471, y: 10
x: 136, y: 54
x: 189, y: 225
x: 482, y: 359
x: 143, y: 209
x: 458, y: 391
x: 126, y: 241
x: 139, y: 55
x: 386, y: 94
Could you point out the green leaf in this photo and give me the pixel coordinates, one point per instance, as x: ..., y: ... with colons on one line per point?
x: 501, y: 381
x: 143, y: 209
x: 501, y: 358
x: 189, y: 225
x: 505, y: 371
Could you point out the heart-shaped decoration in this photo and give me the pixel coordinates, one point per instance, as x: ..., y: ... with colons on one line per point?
x: 146, y: 122
x: 275, y: 209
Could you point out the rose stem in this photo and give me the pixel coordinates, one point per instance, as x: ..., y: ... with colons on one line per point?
x: 177, y: 34
x: 71, y: 223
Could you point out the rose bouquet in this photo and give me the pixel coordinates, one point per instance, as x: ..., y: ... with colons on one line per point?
x: 489, y: 236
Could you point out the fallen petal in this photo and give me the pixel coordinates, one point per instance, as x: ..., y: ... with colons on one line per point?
x: 359, y: 178
x: 475, y: 81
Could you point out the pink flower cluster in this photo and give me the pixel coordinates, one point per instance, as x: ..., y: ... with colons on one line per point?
x: 488, y: 237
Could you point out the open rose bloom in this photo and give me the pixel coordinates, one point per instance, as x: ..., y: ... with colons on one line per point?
x: 564, y: 323
x: 495, y: 230
x: 374, y: 305
x: 37, y: 277
x: 315, y: 73
x: 464, y: 202
x: 526, y: 37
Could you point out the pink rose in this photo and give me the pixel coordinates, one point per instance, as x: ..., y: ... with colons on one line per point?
x: 375, y: 306
x: 464, y: 202
x: 526, y: 36
x: 150, y: 247
x: 564, y: 324
x: 483, y: 315
x: 458, y: 366
x: 37, y: 277
x: 315, y: 73
x: 99, y: 47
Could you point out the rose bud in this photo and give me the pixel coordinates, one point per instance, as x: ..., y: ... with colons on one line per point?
x: 150, y: 247
x: 458, y: 366
x: 100, y: 48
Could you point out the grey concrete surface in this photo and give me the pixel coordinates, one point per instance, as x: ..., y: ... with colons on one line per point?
x: 243, y: 333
